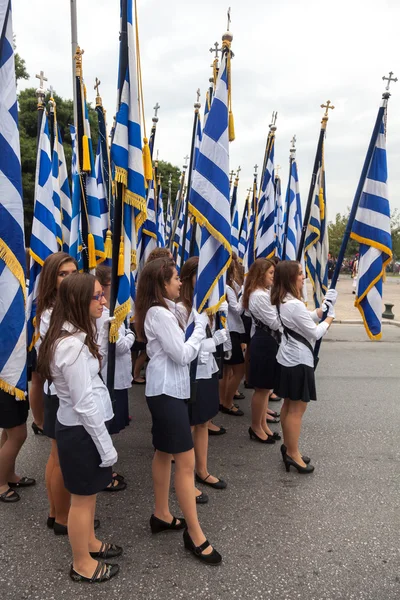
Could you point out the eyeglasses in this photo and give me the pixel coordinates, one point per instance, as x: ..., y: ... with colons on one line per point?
x: 98, y: 296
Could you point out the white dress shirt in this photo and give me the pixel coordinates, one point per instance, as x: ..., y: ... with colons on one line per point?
x: 235, y: 310
x: 208, y: 365
x: 84, y: 398
x: 43, y: 327
x: 295, y: 315
x: 123, y: 356
x: 169, y: 354
x: 260, y: 307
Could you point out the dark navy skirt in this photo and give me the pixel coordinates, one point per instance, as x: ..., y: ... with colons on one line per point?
x: 80, y: 461
x: 237, y: 352
x: 13, y: 412
x: 206, y: 404
x: 297, y: 383
x: 121, y: 411
x: 171, y: 425
x: 51, y: 404
x: 263, y: 365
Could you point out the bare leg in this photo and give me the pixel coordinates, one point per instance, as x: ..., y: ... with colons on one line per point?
x: 48, y: 476
x: 292, y: 428
x: 12, y: 441
x: 184, y: 486
x: 265, y: 422
x: 80, y: 526
x: 223, y: 384
x: 161, y: 481
x: 284, y: 412
x: 258, y: 403
x: 233, y: 383
x: 200, y: 438
x: 61, y: 496
x: 139, y: 363
x: 36, y: 399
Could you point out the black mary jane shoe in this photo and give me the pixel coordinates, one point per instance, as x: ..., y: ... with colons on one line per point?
x: 118, y: 477
x: 305, y: 459
x: 60, y: 529
x: 9, y: 496
x: 275, y: 436
x: 157, y: 525
x: 218, y: 485
x: 221, y: 431
x: 275, y: 414
x: 103, y: 572
x: 274, y: 399
x: 254, y: 436
x: 289, y: 462
x: 230, y: 411
x: 23, y: 482
x: 214, y: 558
x: 36, y: 429
x: 272, y: 419
x: 202, y: 498
x: 239, y: 396
x: 121, y: 485
x: 107, y: 551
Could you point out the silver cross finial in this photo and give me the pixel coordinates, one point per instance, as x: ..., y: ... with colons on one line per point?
x: 186, y: 158
x: 216, y: 49
x: 273, y: 119
x: 238, y: 171
x: 198, y: 94
x: 229, y: 18
x: 51, y: 90
x: 389, y: 80
x: 156, y: 109
x: 277, y: 169
x: 96, y: 86
x: 170, y: 180
x: 255, y: 169
x: 293, y: 141
x: 41, y: 78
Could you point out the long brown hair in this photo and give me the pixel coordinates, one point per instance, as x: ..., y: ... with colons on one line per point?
x: 187, y: 290
x: 151, y: 290
x: 255, y: 278
x: 47, y: 288
x: 286, y: 273
x: 103, y: 274
x: 72, y: 305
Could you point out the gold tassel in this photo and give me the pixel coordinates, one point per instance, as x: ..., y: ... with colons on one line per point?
x: 86, y: 156
x: 231, y: 127
x: 108, y: 245
x: 121, y: 265
x: 148, y: 167
x: 92, y: 251
x: 321, y: 203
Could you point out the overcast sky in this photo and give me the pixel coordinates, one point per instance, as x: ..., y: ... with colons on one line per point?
x: 290, y: 56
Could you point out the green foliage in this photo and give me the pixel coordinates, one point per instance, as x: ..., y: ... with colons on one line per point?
x: 20, y: 69
x: 336, y: 231
x: 166, y: 169
x: 28, y: 127
x: 395, y: 223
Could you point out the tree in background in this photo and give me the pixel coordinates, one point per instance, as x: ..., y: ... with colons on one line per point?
x: 336, y: 231
x: 165, y: 169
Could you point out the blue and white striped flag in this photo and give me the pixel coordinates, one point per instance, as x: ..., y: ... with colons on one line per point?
x: 178, y: 237
x: 317, y: 243
x: 168, y: 222
x: 235, y: 218
x: 209, y: 201
x: 12, y: 243
x: 250, y: 253
x: 279, y: 217
x: 126, y: 156
x: 160, y: 219
x: 44, y: 229
x: 265, y: 221
x: 244, y: 231
x: 293, y: 214
x: 55, y: 170
x: 101, y: 189
x: 148, y: 240
x: 372, y: 229
x: 75, y: 243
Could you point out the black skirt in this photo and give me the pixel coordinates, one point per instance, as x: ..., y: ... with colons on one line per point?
x: 206, y: 404
x: 80, y: 461
x: 263, y: 366
x: 121, y: 411
x: 246, y: 337
x: 13, y: 412
x: 237, y: 352
x: 171, y: 426
x: 297, y: 383
x: 51, y: 404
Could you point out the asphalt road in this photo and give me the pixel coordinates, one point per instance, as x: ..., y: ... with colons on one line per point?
x: 329, y: 536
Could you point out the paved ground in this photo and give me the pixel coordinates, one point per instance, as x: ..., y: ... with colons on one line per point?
x: 329, y: 536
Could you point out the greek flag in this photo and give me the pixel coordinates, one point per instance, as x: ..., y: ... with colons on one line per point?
x: 178, y: 237
x: 209, y: 201
x: 244, y: 231
x: 207, y: 106
x: 44, y: 229
x: 317, y: 244
x: 279, y: 217
x: 168, y: 222
x: 372, y: 229
x: 265, y: 221
x: 235, y: 219
x: 56, y: 181
x: 250, y: 254
x: 75, y: 243
x: 127, y: 161
x: 160, y: 219
x: 148, y: 240
x: 101, y: 189
x: 293, y: 215
x: 12, y: 243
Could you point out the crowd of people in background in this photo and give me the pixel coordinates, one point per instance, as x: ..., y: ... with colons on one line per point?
x: 191, y: 366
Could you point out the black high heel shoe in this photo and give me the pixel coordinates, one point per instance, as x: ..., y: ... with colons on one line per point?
x: 289, y: 462
x: 36, y: 429
x: 214, y: 558
x: 157, y: 525
x: 254, y: 436
x: 305, y: 458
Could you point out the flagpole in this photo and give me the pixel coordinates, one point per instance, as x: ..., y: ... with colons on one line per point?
x: 291, y: 160
x: 313, y: 180
x: 197, y: 107
x: 178, y: 205
x: 74, y: 45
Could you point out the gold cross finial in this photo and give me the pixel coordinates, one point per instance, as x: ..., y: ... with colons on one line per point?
x: 78, y: 61
x: 98, y: 97
x: 388, y: 79
x: 238, y: 171
x: 327, y: 106
x: 231, y: 174
x: 216, y: 49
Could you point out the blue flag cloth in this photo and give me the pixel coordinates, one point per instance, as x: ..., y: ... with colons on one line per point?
x: 265, y: 221
x: 12, y: 243
x: 372, y: 229
x: 235, y: 218
x: 293, y: 214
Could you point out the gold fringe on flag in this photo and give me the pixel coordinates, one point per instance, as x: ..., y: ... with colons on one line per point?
x: 85, y: 154
x: 108, y: 245
x: 121, y: 265
x: 147, y: 165
x: 91, y: 251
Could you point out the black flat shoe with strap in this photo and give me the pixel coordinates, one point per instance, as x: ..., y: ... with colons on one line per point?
x: 158, y: 525
x: 9, y: 496
x: 254, y: 436
x: 60, y: 529
x: 23, y: 482
x: 214, y: 558
x: 202, y: 498
x: 230, y: 411
x: 221, y: 431
x: 103, y: 572
x: 115, y: 486
x: 218, y: 485
x: 107, y: 551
